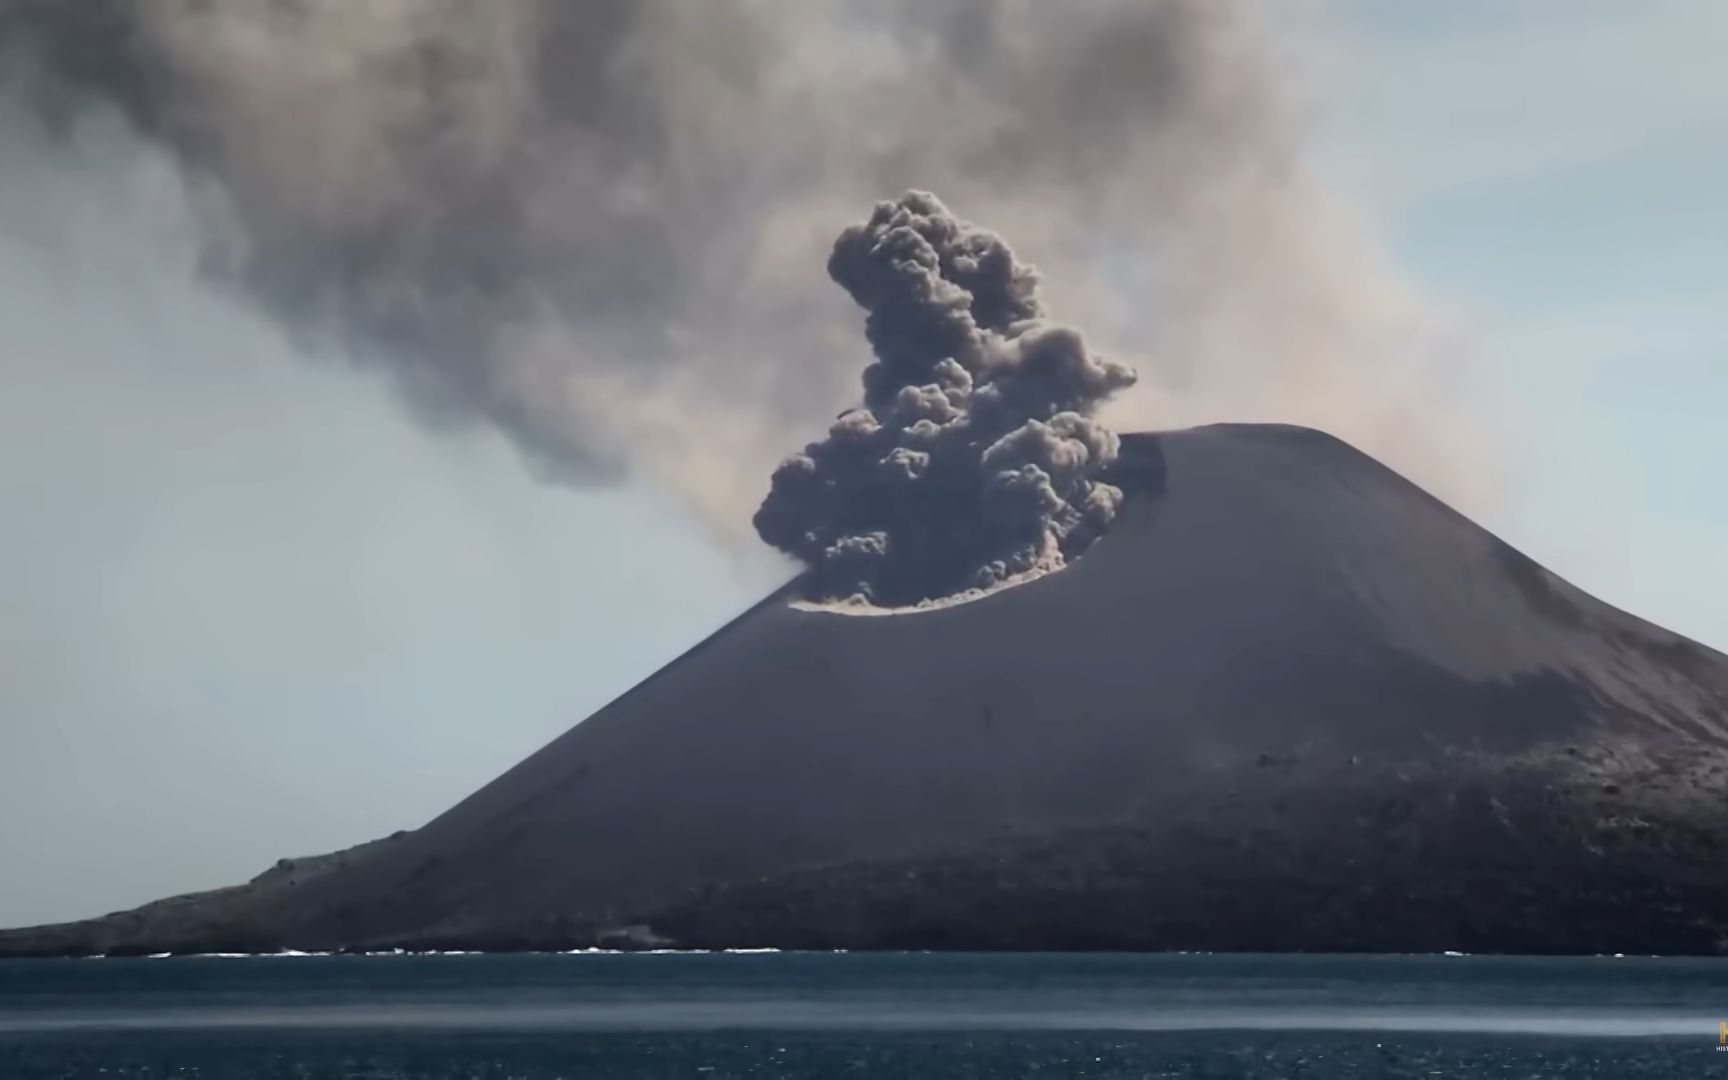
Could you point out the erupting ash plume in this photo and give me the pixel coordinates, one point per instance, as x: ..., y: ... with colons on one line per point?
x: 974, y: 455
x: 591, y: 225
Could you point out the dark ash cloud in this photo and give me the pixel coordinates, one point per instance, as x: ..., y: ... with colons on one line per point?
x: 590, y: 225
x: 974, y: 456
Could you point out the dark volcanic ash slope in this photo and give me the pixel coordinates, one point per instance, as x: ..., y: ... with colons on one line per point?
x: 1289, y: 702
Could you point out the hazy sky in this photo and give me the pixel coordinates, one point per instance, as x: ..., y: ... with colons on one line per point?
x: 249, y: 609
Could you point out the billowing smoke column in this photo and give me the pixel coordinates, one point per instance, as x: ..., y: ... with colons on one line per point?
x: 974, y: 456
x: 589, y: 225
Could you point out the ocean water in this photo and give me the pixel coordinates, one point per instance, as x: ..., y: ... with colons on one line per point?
x: 834, y: 1015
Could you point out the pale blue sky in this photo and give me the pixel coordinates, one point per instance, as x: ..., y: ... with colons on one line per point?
x: 1555, y: 169
x: 249, y: 609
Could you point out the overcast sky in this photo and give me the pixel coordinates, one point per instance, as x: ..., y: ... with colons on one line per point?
x: 249, y: 609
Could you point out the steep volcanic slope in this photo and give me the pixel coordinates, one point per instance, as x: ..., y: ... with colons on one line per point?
x: 1289, y: 701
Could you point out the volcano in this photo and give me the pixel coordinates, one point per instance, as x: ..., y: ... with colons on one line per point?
x: 1288, y: 702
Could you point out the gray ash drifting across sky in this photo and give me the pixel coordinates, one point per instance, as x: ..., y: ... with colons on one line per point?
x: 592, y: 226
x: 974, y: 456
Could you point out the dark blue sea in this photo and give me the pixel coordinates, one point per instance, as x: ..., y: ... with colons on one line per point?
x: 809, y: 1015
